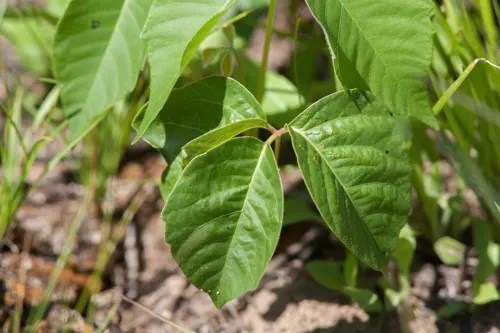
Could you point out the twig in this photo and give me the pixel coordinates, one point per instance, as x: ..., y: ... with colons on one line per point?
x: 156, y: 315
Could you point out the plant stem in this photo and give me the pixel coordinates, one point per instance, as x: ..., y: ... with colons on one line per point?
x: 265, y: 54
x: 443, y: 100
x: 277, y: 149
x: 276, y: 134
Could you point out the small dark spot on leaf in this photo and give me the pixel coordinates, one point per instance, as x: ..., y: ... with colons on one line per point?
x: 391, y: 114
x: 95, y: 24
x: 387, y: 152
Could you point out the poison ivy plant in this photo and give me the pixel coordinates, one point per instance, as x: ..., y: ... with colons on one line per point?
x: 224, y: 199
x: 173, y: 31
x: 384, y: 47
x: 351, y: 155
x: 97, y: 56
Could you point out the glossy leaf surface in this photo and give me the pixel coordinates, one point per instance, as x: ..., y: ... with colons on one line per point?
x: 356, y: 168
x: 382, y: 46
x: 199, y: 117
x: 224, y: 216
x: 97, y: 56
x: 173, y: 31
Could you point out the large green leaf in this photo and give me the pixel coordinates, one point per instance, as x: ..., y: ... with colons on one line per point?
x: 97, y: 56
x: 202, y: 115
x: 199, y: 117
x: 224, y: 217
x: 173, y: 31
x: 356, y: 168
x: 382, y: 46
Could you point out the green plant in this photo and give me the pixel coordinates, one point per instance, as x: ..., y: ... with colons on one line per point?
x: 224, y: 200
x: 19, y: 149
x: 224, y: 206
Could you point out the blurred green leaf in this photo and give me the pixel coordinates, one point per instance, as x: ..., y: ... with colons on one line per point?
x: 474, y: 177
x: 449, y: 250
x: 327, y: 273
x: 366, y: 299
x: 97, y: 57
x: 282, y: 101
x: 224, y: 216
x: 487, y: 293
x: 452, y: 309
x: 32, y: 39
x: 56, y: 7
x: 218, y: 43
x: 297, y: 211
x: 351, y: 269
x: 356, y: 167
x: 3, y: 7
x: 404, y: 250
x: 489, y: 261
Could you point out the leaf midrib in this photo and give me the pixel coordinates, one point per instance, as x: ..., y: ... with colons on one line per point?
x: 375, y: 50
x: 257, y: 167
x: 298, y: 131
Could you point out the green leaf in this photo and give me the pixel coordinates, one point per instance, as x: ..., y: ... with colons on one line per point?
x: 382, y: 46
x: 170, y: 176
x: 97, y: 56
x: 449, y: 310
x: 356, y: 167
x: 327, y: 273
x: 224, y: 217
x: 449, y: 250
x: 199, y: 117
x: 487, y: 293
x: 173, y: 32
x: 488, y: 253
x: 351, y: 269
x: 32, y: 39
x: 365, y: 299
x: 297, y: 211
x: 404, y: 256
